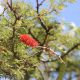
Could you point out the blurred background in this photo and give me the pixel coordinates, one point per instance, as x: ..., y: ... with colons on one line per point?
x: 55, y: 24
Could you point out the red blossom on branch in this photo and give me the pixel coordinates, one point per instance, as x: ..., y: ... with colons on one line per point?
x: 28, y: 40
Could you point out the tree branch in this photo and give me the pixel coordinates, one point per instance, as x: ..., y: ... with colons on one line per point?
x: 46, y: 36
x: 14, y: 12
x: 64, y: 55
x: 71, y: 49
x: 11, y: 3
x: 14, y: 30
x: 41, y: 22
x: 3, y: 12
x: 12, y: 9
x: 42, y: 2
x: 33, y: 36
x: 37, y: 2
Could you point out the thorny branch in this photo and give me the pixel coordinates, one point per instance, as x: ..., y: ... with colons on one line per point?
x: 41, y: 22
x: 64, y: 55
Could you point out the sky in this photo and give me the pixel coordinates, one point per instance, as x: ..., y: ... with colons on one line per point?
x: 69, y: 14
x: 72, y: 13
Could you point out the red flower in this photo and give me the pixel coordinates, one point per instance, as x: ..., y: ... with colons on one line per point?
x: 26, y: 39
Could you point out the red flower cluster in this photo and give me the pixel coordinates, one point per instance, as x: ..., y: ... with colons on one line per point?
x: 26, y: 39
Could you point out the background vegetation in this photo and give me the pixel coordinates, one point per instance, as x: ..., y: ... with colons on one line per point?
x: 21, y: 62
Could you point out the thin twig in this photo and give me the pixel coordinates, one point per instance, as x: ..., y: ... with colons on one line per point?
x: 3, y: 12
x: 42, y: 2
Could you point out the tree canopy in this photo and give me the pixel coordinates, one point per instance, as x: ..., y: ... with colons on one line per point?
x: 22, y: 62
